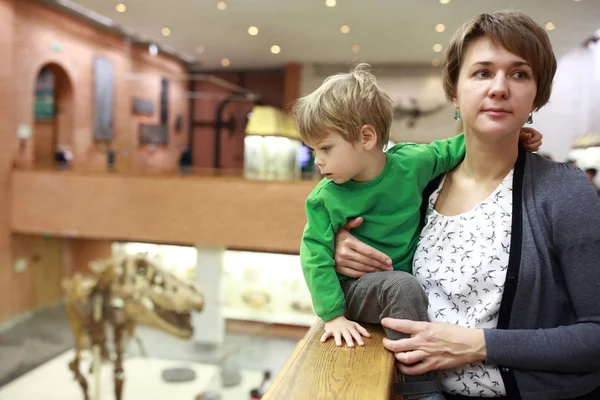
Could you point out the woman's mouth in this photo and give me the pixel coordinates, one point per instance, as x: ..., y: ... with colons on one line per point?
x: 496, y: 112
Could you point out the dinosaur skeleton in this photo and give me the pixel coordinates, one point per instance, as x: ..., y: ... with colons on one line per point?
x: 121, y: 293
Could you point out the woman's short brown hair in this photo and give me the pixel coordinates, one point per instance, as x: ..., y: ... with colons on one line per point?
x: 519, y: 34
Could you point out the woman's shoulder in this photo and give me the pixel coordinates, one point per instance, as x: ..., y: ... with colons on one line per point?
x: 561, y: 185
x: 555, y: 175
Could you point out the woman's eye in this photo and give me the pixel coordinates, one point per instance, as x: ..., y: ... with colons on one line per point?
x: 482, y: 74
x: 521, y: 75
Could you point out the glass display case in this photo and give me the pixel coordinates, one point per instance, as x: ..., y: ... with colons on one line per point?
x: 251, y: 286
x: 266, y: 287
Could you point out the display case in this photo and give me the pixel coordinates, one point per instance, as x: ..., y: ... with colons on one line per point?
x: 266, y: 287
x: 251, y: 286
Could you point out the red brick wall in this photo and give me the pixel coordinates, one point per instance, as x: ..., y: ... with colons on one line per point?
x: 28, y: 33
x: 7, y: 142
x: 37, y: 30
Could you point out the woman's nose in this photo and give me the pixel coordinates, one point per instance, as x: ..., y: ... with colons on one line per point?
x: 499, y: 87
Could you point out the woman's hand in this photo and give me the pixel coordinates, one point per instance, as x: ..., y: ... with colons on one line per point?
x: 530, y: 139
x: 353, y: 258
x: 434, y: 345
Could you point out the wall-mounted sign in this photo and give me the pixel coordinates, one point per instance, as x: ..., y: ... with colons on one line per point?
x: 153, y: 134
x: 143, y: 107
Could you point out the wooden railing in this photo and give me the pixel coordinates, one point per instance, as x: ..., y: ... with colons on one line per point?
x: 322, y: 371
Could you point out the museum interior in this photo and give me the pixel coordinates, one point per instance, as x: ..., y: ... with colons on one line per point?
x: 155, y: 139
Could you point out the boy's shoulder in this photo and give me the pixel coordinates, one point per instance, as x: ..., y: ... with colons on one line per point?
x: 323, y: 189
x: 410, y: 155
x: 407, y: 148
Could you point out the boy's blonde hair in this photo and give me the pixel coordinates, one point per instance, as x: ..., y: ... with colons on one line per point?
x: 344, y: 103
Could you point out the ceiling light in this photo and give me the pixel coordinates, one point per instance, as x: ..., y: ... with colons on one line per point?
x: 221, y: 5
x: 275, y: 49
x: 200, y: 49
x: 165, y: 31
x: 436, y: 62
x: 330, y: 3
x: 121, y: 7
x: 440, y: 28
x: 437, y: 47
x: 225, y: 62
x: 355, y: 48
x: 253, y: 31
x: 345, y: 28
x: 550, y: 26
x: 444, y: 1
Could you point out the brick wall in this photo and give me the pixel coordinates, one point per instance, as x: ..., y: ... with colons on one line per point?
x: 42, y: 36
x: 7, y: 142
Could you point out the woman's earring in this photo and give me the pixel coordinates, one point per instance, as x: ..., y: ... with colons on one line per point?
x: 530, y: 119
x: 457, y: 115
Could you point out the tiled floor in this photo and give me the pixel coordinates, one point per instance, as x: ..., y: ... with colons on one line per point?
x: 47, y: 334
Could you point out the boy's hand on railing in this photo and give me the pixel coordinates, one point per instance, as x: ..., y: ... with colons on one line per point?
x: 341, y: 327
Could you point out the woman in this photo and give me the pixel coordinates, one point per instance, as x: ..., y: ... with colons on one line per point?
x: 509, y: 252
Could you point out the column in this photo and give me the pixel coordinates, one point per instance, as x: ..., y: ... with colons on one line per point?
x: 209, y: 325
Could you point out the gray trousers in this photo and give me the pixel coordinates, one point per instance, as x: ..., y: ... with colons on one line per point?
x: 377, y: 295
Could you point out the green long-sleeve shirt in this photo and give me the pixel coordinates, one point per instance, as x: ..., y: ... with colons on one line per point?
x: 390, y: 206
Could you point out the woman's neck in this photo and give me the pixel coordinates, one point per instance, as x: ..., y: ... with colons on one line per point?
x: 488, y: 160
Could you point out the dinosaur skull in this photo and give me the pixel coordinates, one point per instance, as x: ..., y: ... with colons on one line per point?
x: 154, y: 297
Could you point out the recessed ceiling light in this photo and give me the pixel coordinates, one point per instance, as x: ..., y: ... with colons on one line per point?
x: 436, y: 62
x: 221, y: 5
x: 437, y: 47
x: 121, y: 7
x: 444, y: 1
x: 576, y: 0
x: 355, y: 48
x: 550, y: 26
x: 345, y: 28
x: 225, y: 62
x: 275, y: 49
x: 330, y: 3
x: 200, y: 49
x: 253, y: 31
x: 165, y: 31
x: 440, y: 28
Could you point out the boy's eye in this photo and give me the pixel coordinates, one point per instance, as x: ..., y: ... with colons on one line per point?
x: 325, y: 148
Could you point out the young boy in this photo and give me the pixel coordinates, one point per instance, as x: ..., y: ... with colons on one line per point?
x: 347, y: 122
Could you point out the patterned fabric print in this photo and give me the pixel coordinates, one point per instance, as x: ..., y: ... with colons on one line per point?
x: 461, y: 262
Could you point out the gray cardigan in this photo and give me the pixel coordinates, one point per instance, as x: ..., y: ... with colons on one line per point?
x: 547, y: 342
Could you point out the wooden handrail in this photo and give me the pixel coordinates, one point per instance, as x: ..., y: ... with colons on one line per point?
x: 322, y: 371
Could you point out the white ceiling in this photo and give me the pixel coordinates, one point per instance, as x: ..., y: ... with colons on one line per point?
x: 388, y: 31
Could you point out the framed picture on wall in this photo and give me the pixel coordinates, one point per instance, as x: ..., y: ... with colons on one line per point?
x: 44, y: 95
x: 142, y: 107
x: 153, y: 134
x: 104, y: 81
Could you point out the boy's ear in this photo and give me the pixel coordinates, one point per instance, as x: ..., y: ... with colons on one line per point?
x: 368, y: 137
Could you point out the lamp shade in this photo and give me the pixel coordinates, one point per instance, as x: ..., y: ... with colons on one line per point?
x: 265, y: 121
x: 290, y: 129
x: 271, y: 121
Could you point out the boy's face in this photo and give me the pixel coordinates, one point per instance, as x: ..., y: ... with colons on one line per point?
x: 338, y: 159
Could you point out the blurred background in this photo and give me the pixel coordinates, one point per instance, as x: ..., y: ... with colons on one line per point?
x: 163, y: 128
